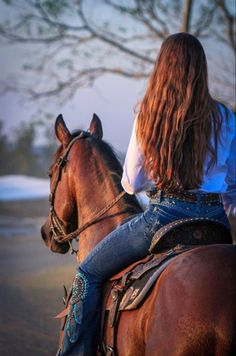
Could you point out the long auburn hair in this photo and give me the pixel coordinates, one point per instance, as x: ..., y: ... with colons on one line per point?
x: 177, y: 116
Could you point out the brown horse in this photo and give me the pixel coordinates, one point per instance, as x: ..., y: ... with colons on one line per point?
x: 192, y: 307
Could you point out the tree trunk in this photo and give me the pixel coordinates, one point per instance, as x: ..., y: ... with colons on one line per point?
x: 187, y: 15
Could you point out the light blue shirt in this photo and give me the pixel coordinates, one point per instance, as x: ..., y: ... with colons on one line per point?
x: 221, y: 178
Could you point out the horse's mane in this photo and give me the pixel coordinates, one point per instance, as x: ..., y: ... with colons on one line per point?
x: 112, y: 164
x: 115, y: 170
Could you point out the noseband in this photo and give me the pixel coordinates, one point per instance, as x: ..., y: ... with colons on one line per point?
x: 57, y: 227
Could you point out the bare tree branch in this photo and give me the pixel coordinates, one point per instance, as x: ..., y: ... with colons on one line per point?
x: 204, y: 22
x: 230, y: 23
x: 78, y: 42
x: 139, y: 13
x: 153, y: 12
x: 45, y: 17
x: 146, y: 20
x: 19, y: 38
x: 111, y: 42
x: 89, y: 75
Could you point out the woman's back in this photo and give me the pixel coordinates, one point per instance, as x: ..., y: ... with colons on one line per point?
x: 179, y: 123
x: 183, y: 139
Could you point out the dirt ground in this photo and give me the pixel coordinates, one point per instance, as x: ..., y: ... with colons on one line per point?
x: 31, y: 280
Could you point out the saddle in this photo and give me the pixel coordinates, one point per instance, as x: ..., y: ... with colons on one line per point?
x: 132, y: 285
x: 190, y: 231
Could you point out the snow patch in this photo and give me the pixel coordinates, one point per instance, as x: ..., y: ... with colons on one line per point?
x: 20, y: 187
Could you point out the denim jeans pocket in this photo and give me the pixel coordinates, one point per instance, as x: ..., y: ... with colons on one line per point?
x: 169, y: 214
x: 212, y: 210
x: 181, y: 210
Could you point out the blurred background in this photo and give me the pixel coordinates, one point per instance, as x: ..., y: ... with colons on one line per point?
x: 76, y: 57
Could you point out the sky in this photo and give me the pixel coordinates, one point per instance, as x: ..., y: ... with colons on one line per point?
x: 112, y: 98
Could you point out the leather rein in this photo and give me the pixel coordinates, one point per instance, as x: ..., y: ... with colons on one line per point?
x: 57, y: 227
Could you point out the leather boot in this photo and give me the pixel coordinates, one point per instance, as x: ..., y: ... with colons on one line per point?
x: 82, y: 326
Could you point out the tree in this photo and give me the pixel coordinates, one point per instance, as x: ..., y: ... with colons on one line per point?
x: 79, y: 41
x: 21, y: 156
x: 47, y: 151
x: 4, y: 148
x: 3, y: 140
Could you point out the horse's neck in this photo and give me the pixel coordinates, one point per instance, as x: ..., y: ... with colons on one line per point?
x: 96, y: 190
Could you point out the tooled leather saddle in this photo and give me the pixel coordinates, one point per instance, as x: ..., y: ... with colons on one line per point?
x: 131, y: 286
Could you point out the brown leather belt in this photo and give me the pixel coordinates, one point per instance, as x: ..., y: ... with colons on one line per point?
x: 193, y: 197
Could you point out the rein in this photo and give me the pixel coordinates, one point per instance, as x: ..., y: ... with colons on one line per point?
x: 57, y: 226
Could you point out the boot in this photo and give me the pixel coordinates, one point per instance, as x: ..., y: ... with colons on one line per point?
x: 82, y: 326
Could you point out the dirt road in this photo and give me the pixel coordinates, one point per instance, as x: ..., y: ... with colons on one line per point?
x: 31, y: 279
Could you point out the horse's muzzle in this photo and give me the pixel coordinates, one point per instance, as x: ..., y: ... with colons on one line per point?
x: 51, y: 243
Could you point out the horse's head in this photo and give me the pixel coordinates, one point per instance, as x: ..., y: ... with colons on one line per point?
x: 63, y: 217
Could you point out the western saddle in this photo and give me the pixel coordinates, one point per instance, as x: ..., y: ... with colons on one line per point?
x: 131, y: 286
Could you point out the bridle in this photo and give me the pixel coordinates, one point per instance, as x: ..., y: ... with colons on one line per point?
x: 57, y: 227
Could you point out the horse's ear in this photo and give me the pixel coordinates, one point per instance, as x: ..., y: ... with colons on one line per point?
x: 96, y: 127
x: 62, y: 132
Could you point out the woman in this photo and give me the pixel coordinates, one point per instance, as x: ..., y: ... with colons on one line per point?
x: 181, y: 147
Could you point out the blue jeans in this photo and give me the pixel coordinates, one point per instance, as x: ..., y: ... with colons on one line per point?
x: 123, y: 246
